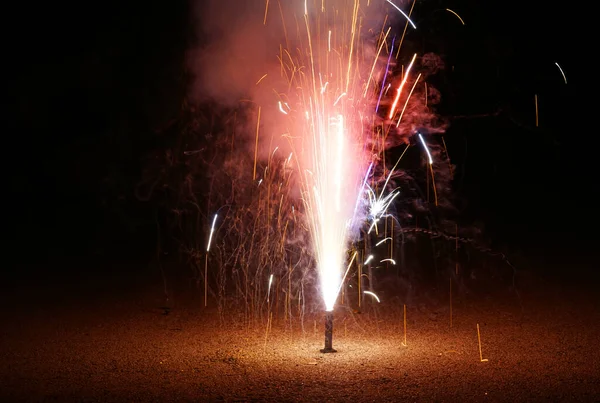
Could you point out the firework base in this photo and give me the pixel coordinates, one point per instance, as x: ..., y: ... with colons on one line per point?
x: 328, y: 333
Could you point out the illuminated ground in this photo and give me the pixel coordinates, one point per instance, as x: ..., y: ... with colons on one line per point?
x: 86, y: 346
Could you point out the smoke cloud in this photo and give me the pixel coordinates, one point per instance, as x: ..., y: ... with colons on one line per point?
x: 237, y: 61
x: 236, y: 58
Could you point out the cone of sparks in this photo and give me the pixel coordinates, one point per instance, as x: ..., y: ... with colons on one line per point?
x: 329, y: 112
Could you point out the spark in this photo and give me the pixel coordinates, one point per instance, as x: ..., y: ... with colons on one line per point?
x: 212, y: 230
x: 372, y: 225
x: 372, y: 294
x: 403, y: 13
x: 287, y: 161
x: 338, y: 99
x: 266, y: 12
x: 387, y: 66
x: 405, y: 27
x: 461, y: 20
x: 389, y: 260
x: 368, y: 259
x: 392, y: 110
x: 362, y: 189
x: 375, y: 61
x: 561, y: 72
x: 281, y: 109
x: 383, y: 240
x: 191, y: 152
x: 426, y: 149
x: 346, y: 273
x: 260, y: 79
x: 256, y: 145
x: 353, y: 31
x: 407, y: 99
x: 269, y: 289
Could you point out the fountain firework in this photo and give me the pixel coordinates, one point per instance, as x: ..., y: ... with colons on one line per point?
x: 313, y: 169
x: 330, y: 116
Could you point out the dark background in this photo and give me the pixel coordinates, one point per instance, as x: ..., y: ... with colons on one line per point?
x: 90, y: 87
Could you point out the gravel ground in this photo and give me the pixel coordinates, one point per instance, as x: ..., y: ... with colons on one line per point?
x: 119, y: 346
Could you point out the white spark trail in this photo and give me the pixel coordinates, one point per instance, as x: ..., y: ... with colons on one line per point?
x: 212, y: 230
x: 403, y: 13
x: 383, y: 240
x: 373, y: 295
x: 426, y: 149
x: 561, y: 72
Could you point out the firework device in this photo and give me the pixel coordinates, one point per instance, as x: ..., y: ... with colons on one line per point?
x: 328, y: 333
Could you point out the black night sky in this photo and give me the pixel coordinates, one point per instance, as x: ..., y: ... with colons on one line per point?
x: 92, y: 87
